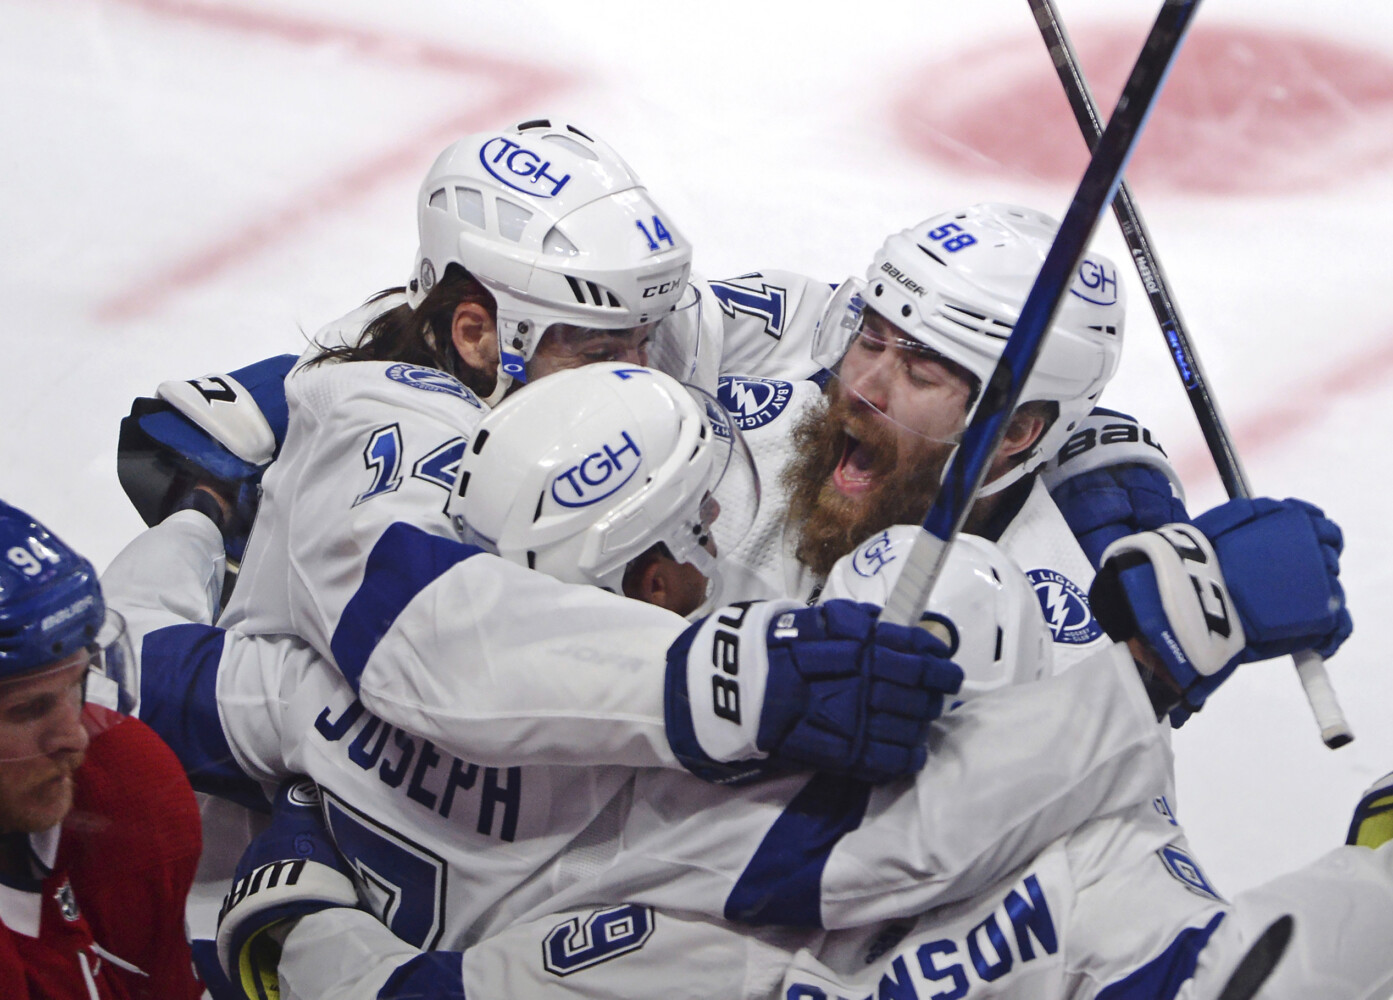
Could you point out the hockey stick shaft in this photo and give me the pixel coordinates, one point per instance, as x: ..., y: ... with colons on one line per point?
x: 999, y: 396
x: 1334, y: 730
x: 1259, y: 961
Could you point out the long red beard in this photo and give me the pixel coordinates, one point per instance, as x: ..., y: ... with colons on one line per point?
x: 830, y: 524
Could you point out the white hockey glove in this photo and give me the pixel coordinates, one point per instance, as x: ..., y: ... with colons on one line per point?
x: 774, y: 686
x: 291, y: 869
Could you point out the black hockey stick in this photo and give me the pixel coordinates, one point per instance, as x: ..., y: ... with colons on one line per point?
x: 1254, y: 968
x: 1334, y: 730
x: 969, y: 463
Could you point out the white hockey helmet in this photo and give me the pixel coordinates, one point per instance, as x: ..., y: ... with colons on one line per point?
x: 996, y: 630
x: 582, y: 472
x: 560, y: 231
x: 956, y: 283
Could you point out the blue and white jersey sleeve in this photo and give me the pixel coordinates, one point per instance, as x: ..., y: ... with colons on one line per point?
x: 824, y: 852
x: 502, y: 665
x: 1121, y: 910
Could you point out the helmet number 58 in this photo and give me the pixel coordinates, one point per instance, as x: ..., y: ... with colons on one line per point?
x: 944, y: 235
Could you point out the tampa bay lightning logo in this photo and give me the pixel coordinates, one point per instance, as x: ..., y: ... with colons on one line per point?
x: 754, y: 402
x: 873, y: 556
x: 1183, y: 869
x: 1065, y: 606
x: 432, y: 380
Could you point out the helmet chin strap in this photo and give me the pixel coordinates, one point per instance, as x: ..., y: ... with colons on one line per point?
x: 511, y: 368
x: 502, y: 382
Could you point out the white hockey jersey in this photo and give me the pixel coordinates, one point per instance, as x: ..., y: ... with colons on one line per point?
x: 764, y: 566
x: 477, y: 846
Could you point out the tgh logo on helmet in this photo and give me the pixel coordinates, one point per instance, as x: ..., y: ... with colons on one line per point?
x: 598, y: 474
x: 1096, y: 282
x: 520, y: 168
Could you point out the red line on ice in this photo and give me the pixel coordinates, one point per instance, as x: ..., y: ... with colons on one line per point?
x: 1297, y: 410
x: 518, y: 86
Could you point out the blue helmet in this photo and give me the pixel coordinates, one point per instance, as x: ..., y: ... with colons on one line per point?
x: 50, y: 600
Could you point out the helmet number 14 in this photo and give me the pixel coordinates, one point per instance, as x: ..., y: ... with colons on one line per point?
x: 659, y: 233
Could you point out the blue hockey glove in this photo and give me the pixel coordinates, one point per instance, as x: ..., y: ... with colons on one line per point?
x: 219, y: 431
x: 1111, y: 479
x: 771, y: 686
x: 1249, y: 580
x: 290, y: 869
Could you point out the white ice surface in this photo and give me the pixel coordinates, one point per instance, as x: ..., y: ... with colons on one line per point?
x: 187, y: 186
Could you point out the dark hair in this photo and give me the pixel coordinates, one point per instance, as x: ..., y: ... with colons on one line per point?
x: 421, y: 336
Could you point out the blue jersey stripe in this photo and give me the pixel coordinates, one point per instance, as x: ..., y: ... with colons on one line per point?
x: 782, y: 884
x: 404, y: 562
x: 432, y: 974
x: 179, y: 701
x: 1162, y: 977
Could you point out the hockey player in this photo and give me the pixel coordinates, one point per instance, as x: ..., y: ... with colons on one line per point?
x: 98, y: 830
x: 911, y: 347
x: 564, y: 537
x: 824, y: 855
x: 566, y: 255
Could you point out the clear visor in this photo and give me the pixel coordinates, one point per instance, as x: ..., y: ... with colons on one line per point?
x: 40, y: 710
x: 880, y: 370
x: 728, y: 507
x: 669, y: 344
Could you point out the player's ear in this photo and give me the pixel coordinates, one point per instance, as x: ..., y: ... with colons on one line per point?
x: 1023, y: 430
x: 475, y: 337
x: 645, y: 581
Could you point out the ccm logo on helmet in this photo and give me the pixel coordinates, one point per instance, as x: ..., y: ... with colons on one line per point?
x: 661, y: 289
x: 509, y: 162
x: 597, y: 475
x: 1099, y: 281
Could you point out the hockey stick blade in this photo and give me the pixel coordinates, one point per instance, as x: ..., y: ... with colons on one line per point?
x: 999, y: 396
x: 1334, y: 729
x: 1254, y: 968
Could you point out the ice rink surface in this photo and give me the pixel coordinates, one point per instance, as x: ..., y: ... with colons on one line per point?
x: 193, y: 185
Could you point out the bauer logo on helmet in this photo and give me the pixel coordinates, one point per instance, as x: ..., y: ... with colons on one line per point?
x: 597, y: 475
x: 511, y: 164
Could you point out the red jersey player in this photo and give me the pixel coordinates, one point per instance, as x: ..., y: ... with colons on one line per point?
x: 99, y: 833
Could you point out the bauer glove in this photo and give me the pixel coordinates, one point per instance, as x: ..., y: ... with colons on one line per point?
x: 289, y: 870
x: 774, y: 686
x: 1111, y: 479
x: 1249, y: 580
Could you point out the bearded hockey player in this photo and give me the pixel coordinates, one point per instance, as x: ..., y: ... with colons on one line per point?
x: 98, y: 830
x: 909, y: 349
x: 1115, y: 908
